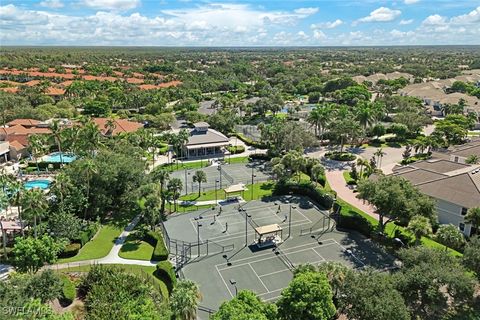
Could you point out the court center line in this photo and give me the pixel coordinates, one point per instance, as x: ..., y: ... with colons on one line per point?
x: 224, y: 282
x: 256, y: 274
x: 255, y: 259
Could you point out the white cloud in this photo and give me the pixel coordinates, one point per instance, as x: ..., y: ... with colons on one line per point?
x: 319, y: 35
x: 306, y: 11
x: 302, y: 35
x: 112, y: 4
x: 381, y: 14
x: 327, y: 25
x: 405, y: 22
x: 411, y: 1
x: 472, y: 17
x: 434, y: 20
x: 53, y: 4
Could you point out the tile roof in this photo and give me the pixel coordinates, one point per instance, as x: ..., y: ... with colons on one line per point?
x: 16, y: 145
x: 24, y: 122
x: 52, y: 91
x: 458, y: 185
x: 121, y: 125
x: 206, y: 137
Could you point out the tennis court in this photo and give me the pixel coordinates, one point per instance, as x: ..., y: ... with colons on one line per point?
x: 226, y: 175
x: 220, y: 251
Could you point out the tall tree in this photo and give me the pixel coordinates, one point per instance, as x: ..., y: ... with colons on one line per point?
x: 161, y: 176
x: 420, y: 227
x: 34, y: 206
x: 200, y: 177
x: 174, y: 186
x: 184, y: 300
x: 307, y: 297
x: 395, y: 199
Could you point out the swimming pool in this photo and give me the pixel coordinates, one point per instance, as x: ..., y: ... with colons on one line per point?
x: 41, y: 184
x: 55, y: 157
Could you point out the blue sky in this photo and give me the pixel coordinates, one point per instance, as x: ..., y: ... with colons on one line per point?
x: 239, y: 23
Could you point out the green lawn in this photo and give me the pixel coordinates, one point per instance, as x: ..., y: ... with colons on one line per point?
x: 144, y: 271
x: 99, y: 246
x: 347, y: 176
x: 236, y: 160
x: 201, y: 164
x: 347, y: 209
x: 136, y: 249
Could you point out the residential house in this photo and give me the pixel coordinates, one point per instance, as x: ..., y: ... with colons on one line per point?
x: 112, y: 127
x: 454, y: 186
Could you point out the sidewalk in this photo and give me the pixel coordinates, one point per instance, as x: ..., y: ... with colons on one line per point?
x: 337, y: 183
x: 112, y: 257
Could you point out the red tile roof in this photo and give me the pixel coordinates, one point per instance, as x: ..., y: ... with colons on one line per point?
x: 134, y: 80
x: 20, y: 138
x: 31, y: 83
x: 52, y: 91
x: 11, y: 90
x: 24, y: 122
x: 16, y: 145
x: 121, y: 125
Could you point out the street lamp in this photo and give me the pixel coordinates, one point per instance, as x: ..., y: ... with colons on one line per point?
x: 219, y: 168
x: 198, y: 235
x: 216, y: 201
x: 290, y: 219
x: 186, y: 182
x: 253, y: 177
x: 233, y: 282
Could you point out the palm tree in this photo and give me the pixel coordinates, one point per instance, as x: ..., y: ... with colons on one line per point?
x: 420, y: 226
x: 175, y: 186
x: 161, y: 176
x: 362, y: 163
x: 16, y: 188
x: 184, y: 300
x: 450, y: 236
x: 365, y: 116
x: 61, y: 182
x: 110, y: 126
x: 183, y: 136
x: 379, y: 154
x: 316, y: 172
x: 34, y: 205
x: 200, y: 177
x: 88, y: 167
x: 473, y: 217
x: 37, y: 146
x: 90, y: 137
x: 56, y: 129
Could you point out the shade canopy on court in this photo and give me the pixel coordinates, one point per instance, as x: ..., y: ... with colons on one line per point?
x: 235, y: 189
x: 268, y: 235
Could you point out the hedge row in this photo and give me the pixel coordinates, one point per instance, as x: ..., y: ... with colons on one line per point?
x: 70, y: 250
x: 340, y: 156
x: 165, y: 272
x: 260, y: 156
x: 87, y: 234
x: 236, y: 149
x: 305, y: 189
x: 155, y: 239
x: 44, y: 165
x: 250, y: 142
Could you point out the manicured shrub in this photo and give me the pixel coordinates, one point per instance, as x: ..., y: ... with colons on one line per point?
x: 166, y: 273
x: 236, y: 149
x: 160, y: 252
x: 250, y: 142
x: 68, y: 290
x: 70, y: 250
x: 260, y: 156
x: 354, y: 221
x: 340, y: 156
x: 318, y: 196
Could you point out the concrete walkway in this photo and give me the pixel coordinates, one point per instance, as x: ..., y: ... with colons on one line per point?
x: 337, y: 182
x: 112, y: 257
